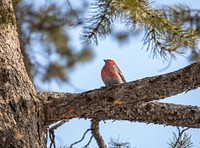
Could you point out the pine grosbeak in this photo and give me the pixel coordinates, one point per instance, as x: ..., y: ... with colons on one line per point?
x: 111, y: 74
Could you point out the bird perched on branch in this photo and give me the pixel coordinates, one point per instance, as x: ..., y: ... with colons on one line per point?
x: 111, y: 74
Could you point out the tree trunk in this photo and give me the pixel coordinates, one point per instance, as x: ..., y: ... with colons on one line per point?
x: 19, y: 117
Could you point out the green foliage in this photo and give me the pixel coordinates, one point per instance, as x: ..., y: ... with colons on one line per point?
x: 184, y: 16
x: 195, y: 55
x: 100, y: 22
x: 48, y: 28
x: 162, y: 35
x: 181, y: 140
x: 118, y: 143
x: 55, y: 71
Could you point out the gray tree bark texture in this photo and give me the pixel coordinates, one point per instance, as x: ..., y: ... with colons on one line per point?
x: 25, y: 113
x: 131, y: 101
x: 21, y: 121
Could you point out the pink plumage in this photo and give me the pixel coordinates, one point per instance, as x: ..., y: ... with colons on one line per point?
x: 111, y: 74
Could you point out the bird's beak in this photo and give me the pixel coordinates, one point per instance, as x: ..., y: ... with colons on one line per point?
x: 105, y: 60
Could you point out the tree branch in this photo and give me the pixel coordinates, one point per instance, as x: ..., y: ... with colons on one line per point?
x: 96, y: 134
x: 71, y: 146
x: 52, y: 135
x: 127, y: 101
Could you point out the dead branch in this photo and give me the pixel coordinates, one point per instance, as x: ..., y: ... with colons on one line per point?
x: 51, y: 132
x: 88, y: 142
x: 80, y: 139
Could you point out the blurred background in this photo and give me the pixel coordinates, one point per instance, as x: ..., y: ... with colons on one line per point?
x: 58, y: 59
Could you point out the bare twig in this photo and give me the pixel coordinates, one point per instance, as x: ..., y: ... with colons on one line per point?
x: 75, y: 13
x: 52, y: 138
x: 81, y: 138
x: 96, y: 134
x: 88, y: 142
x: 52, y: 135
x: 181, y: 139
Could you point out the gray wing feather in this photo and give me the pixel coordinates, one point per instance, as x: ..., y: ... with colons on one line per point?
x: 119, y: 72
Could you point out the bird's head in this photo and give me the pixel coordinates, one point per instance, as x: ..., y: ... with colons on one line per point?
x: 109, y: 61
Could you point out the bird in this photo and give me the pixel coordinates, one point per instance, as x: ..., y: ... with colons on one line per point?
x: 111, y: 74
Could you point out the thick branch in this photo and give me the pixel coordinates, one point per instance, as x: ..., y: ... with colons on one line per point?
x: 126, y: 101
x: 163, y: 113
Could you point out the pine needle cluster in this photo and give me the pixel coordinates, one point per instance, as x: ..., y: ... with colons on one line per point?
x: 162, y: 35
x: 181, y: 139
x: 101, y: 21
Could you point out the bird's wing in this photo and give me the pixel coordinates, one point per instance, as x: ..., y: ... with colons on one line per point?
x: 119, y: 72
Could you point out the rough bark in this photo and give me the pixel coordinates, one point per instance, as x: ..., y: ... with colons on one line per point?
x: 96, y: 134
x: 20, y: 120
x: 127, y: 101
